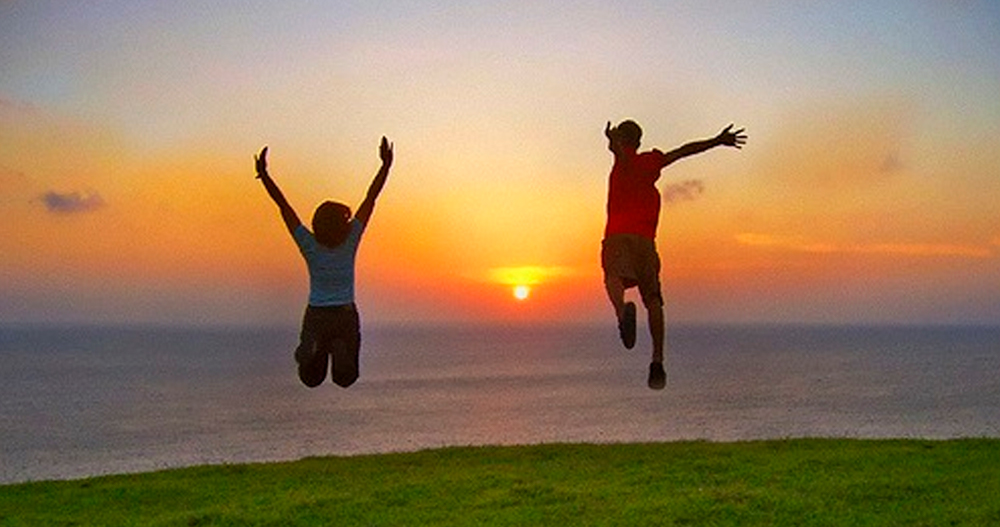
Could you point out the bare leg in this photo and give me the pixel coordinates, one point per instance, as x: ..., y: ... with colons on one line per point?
x: 656, y: 330
x: 616, y: 293
x: 624, y: 311
x: 657, y: 375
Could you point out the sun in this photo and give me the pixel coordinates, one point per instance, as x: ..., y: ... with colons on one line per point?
x: 521, y: 279
x: 521, y: 292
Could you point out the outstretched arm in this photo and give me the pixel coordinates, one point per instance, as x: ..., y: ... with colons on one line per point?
x: 368, y: 205
x: 287, y: 212
x: 725, y: 138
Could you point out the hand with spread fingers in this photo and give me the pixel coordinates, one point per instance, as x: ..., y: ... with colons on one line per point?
x: 734, y: 139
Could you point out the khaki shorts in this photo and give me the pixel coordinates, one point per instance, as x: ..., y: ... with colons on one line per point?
x: 633, y: 259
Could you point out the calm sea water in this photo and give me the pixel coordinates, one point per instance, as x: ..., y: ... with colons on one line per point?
x: 86, y: 401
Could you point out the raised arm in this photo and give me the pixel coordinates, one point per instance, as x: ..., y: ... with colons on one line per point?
x: 615, y: 144
x: 725, y: 138
x: 368, y: 205
x: 287, y: 212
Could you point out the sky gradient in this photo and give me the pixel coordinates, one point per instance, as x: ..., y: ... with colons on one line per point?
x: 868, y: 191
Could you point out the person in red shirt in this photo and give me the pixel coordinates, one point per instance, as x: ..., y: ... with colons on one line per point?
x: 628, y: 251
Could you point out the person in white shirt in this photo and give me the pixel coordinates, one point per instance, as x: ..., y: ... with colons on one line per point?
x: 331, y: 327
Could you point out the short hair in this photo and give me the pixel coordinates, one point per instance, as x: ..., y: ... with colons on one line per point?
x: 330, y: 223
x: 630, y: 132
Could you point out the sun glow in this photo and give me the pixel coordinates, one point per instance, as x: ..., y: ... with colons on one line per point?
x: 527, y: 275
x: 521, y: 292
x: 522, y: 279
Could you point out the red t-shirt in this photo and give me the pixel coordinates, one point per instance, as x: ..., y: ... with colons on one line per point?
x: 633, y: 199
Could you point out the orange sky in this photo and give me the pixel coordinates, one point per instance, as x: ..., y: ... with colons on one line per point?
x: 869, y: 190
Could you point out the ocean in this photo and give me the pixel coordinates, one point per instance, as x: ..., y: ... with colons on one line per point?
x: 85, y: 401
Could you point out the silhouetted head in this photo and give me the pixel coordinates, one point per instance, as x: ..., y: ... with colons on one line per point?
x: 629, y: 134
x: 330, y: 223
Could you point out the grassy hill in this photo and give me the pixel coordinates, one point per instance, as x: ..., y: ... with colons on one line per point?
x: 787, y: 482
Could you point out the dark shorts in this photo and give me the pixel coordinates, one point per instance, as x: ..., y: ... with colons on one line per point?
x: 330, y: 335
x: 633, y: 260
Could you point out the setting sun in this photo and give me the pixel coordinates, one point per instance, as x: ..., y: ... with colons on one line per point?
x: 522, y: 279
x: 521, y: 292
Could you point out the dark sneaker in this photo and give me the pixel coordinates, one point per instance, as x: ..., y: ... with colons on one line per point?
x: 657, y: 377
x: 626, y: 325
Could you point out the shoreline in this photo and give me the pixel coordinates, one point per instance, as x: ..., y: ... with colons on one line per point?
x: 429, y: 449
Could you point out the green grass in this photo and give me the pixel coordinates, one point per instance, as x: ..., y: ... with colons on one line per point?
x: 791, y: 482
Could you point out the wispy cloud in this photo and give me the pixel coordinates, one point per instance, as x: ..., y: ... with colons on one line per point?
x: 682, y: 191
x: 71, y: 202
x: 891, y: 163
x: 802, y: 244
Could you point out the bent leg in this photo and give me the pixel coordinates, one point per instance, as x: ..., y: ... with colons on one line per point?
x: 344, y: 370
x: 619, y: 275
x: 312, y: 367
x: 615, y: 288
x: 312, y: 363
x: 613, y: 263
